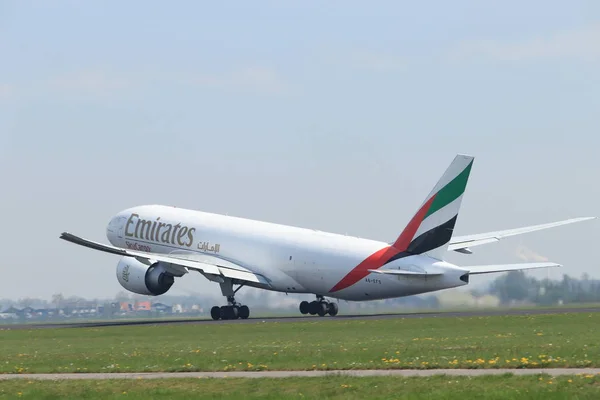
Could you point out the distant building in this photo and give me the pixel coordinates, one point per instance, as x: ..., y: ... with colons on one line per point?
x: 10, y: 313
x: 142, y: 306
x: 27, y: 310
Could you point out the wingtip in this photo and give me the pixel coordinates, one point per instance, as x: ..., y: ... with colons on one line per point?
x: 584, y: 218
x: 576, y: 219
x: 553, y: 264
x: 66, y: 236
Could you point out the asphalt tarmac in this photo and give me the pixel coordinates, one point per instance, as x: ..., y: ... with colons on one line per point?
x: 447, y: 314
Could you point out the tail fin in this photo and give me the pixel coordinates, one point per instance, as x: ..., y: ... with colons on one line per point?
x: 431, y: 228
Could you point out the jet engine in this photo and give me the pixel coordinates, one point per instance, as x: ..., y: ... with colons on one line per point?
x: 150, y: 280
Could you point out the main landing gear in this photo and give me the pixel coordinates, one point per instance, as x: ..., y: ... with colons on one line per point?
x: 320, y: 307
x: 233, y: 309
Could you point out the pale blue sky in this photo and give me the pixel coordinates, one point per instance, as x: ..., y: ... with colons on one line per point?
x: 337, y: 116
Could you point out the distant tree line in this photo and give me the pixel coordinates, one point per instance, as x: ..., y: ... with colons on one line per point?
x: 515, y: 286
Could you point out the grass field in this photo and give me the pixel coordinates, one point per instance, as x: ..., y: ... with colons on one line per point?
x: 557, y: 340
x: 336, y: 387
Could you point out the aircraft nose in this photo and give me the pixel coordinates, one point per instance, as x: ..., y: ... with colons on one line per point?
x: 113, y: 228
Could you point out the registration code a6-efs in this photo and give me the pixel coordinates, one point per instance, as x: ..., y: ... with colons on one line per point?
x: 371, y: 280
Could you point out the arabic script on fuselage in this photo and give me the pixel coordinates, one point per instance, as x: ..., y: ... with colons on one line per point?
x: 204, y: 246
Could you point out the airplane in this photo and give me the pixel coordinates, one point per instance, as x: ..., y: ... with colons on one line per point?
x: 159, y: 243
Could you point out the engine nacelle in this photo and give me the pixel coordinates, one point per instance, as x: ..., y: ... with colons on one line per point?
x: 150, y: 280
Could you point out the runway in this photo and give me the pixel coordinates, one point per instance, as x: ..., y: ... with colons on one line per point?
x: 306, y: 374
x: 440, y: 314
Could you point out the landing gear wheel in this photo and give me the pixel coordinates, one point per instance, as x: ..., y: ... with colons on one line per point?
x: 229, y: 312
x: 332, y: 309
x: 215, y: 312
x: 313, y: 307
x: 304, y: 307
x: 244, y: 312
x: 233, y: 309
x: 224, y: 313
x: 321, y: 309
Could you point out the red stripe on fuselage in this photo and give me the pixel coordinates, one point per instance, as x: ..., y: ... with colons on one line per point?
x: 374, y: 261
x: 377, y: 259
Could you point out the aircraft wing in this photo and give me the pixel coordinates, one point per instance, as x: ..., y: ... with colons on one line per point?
x: 212, y: 267
x: 462, y: 244
x: 488, y: 269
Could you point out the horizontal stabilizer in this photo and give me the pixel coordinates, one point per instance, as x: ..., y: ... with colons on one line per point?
x: 403, y: 272
x: 488, y: 269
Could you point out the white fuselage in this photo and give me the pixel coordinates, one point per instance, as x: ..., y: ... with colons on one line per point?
x: 294, y: 260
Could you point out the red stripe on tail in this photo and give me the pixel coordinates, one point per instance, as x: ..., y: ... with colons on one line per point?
x: 408, y: 233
